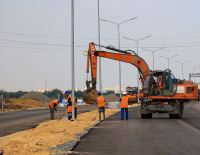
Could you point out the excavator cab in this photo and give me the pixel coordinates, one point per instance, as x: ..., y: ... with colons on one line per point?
x: 169, y: 81
x: 162, y: 83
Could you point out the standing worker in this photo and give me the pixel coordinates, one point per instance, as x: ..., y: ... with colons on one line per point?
x: 69, y: 106
x: 53, y: 107
x: 101, y: 105
x: 124, y: 106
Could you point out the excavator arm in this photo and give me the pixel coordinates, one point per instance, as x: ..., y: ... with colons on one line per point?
x: 123, y: 56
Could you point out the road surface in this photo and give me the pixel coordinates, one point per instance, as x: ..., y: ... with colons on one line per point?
x: 11, y: 122
x: 157, y: 136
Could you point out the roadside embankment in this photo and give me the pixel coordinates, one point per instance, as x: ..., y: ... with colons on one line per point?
x: 52, y: 136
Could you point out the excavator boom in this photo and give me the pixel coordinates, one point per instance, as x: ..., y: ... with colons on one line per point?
x: 123, y: 56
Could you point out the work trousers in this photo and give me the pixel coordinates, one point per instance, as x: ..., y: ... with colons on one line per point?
x: 124, y: 110
x: 69, y: 114
x: 102, y: 110
x: 75, y: 113
x: 51, y: 113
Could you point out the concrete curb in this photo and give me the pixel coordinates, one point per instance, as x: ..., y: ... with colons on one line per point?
x: 68, y: 146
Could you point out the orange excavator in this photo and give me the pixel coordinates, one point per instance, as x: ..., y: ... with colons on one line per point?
x: 161, y: 91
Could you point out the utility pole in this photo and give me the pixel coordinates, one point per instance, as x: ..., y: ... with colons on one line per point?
x: 137, y: 41
x: 153, y: 53
x: 72, y: 56
x: 119, y: 45
x: 99, y: 41
x: 182, y: 66
x: 168, y: 59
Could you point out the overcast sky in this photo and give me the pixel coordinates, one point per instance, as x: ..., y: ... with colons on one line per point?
x: 35, y: 39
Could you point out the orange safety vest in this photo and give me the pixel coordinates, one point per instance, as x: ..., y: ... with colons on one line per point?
x: 51, y: 104
x: 69, y: 108
x: 124, y: 102
x: 101, y: 101
x: 75, y: 103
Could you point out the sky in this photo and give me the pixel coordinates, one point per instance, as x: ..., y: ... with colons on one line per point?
x: 35, y: 37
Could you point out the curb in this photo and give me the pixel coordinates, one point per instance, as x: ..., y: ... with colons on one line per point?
x: 66, y: 148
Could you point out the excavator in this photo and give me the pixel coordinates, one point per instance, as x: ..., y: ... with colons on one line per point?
x: 161, y: 92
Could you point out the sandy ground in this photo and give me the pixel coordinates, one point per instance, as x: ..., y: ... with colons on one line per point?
x: 49, y: 134
x: 23, y: 104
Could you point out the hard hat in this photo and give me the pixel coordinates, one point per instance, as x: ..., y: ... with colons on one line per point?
x: 60, y: 100
x: 124, y: 93
x: 67, y: 92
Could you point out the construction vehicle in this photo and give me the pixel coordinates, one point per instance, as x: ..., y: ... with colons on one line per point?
x: 161, y: 91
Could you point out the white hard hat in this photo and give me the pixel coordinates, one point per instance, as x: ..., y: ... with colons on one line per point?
x: 124, y: 93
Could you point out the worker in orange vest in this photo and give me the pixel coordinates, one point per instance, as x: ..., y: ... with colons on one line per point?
x: 52, y: 107
x: 124, y: 106
x: 69, y: 107
x: 101, y: 105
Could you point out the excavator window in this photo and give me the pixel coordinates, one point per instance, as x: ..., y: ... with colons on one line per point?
x: 190, y: 89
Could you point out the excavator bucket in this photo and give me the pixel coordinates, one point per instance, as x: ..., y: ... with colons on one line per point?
x: 90, y: 96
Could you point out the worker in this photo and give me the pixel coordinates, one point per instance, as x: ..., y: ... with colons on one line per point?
x: 52, y: 106
x: 101, y: 105
x: 124, y: 106
x: 69, y: 107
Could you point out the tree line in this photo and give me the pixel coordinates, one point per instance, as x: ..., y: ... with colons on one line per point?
x: 51, y: 94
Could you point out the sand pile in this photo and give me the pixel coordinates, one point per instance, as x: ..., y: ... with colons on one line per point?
x: 36, y: 96
x: 44, y: 138
x: 23, y: 104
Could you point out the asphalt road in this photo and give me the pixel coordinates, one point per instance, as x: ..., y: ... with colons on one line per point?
x: 11, y: 122
x: 157, y: 136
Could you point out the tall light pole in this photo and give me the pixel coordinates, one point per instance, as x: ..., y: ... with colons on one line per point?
x: 168, y: 59
x: 72, y: 56
x: 137, y: 41
x: 99, y: 41
x: 153, y: 53
x: 182, y: 66
x: 119, y: 46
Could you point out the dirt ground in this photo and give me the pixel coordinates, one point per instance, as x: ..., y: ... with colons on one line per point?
x: 14, y: 104
x: 49, y: 134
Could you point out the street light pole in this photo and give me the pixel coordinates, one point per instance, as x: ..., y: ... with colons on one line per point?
x: 99, y: 41
x: 153, y: 53
x: 119, y: 45
x: 182, y: 66
x: 72, y: 56
x: 137, y: 43
x: 168, y: 59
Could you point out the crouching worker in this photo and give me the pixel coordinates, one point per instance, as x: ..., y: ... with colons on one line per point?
x: 53, y: 107
x: 101, y: 105
x: 124, y: 106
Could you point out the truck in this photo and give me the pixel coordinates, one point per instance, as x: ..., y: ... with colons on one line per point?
x: 161, y: 91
